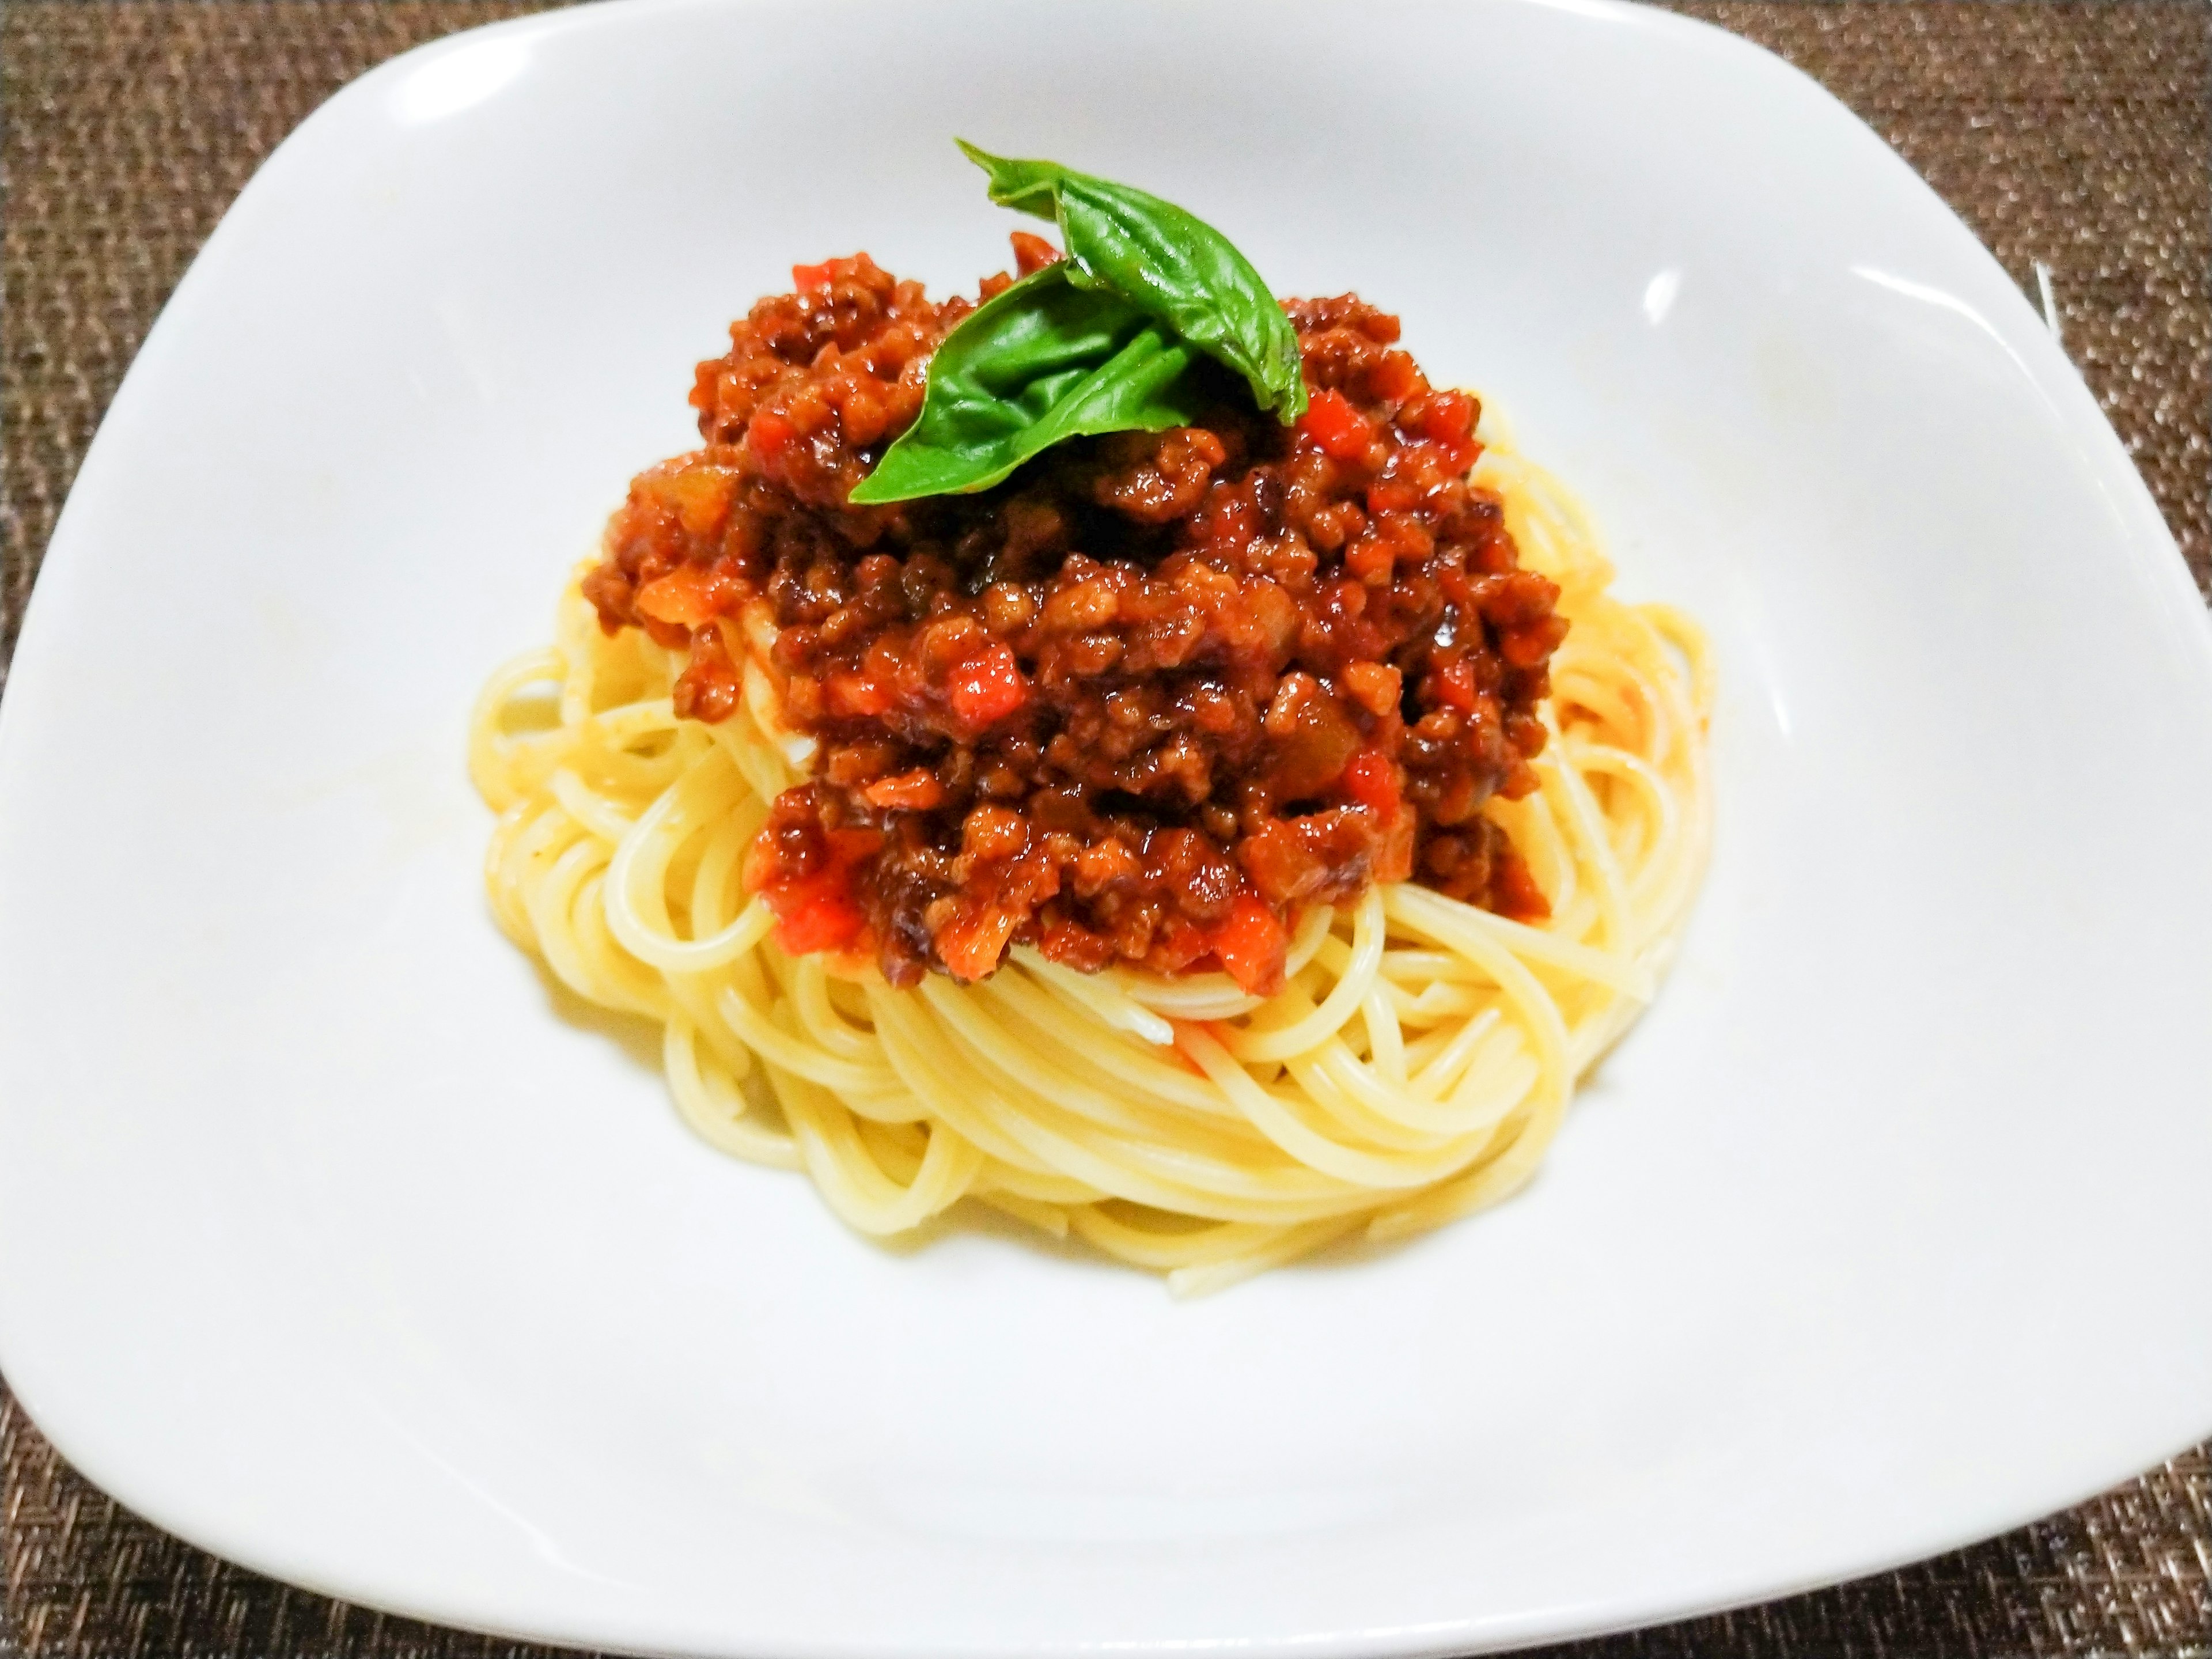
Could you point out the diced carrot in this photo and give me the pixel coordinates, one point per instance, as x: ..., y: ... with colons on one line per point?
x: 987, y: 687
x: 971, y: 946
x: 1341, y: 431
x: 850, y: 843
x: 1252, y: 945
x: 702, y: 498
x: 689, y: 596
x: 856, y: 694
x: 910, y: 792
x: 1033, y: 253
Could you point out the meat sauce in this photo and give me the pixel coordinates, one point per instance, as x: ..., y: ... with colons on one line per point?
x: 1145, y: 700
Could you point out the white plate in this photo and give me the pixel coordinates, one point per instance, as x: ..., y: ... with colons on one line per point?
x: 333, y: 1241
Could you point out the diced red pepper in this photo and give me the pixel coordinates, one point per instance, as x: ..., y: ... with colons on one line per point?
x: 1395, y: 376
x: 1452, y: 684
x: 769, y: 434
x: 1341, y: 431
x: 987, y: 687
x: 1371, y: 781
x: 1448, y: 418
x: 807, y: 277
x: 1252, y: 945
x: 1179, y: 943
x: 816, y: 915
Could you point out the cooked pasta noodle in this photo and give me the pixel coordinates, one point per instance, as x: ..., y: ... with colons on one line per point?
x: 1413, y: 1070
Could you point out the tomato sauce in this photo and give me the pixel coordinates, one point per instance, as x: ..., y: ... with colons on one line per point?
x: 1145, y: 700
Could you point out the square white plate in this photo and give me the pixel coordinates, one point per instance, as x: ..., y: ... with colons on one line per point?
x: 332, y: 1241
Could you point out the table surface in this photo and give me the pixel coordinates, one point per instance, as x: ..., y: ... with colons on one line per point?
x: 2075, y: 135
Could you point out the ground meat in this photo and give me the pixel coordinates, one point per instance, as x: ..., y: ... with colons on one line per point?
x: 1143, y: 701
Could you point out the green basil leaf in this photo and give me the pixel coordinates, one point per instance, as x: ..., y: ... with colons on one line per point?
x: 1171, y: 263
x: 1044, y: 362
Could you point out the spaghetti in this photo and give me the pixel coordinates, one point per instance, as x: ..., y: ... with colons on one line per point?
x: 1413, y: 1069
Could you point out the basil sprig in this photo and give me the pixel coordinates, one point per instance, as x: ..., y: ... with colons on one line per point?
x: 1044, y: 362
x: 1175, y: 265
x: 1106, y: 340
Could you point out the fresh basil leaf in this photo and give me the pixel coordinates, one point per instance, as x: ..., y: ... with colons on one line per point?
x: 1043, y: 361
x: 1171, y: 263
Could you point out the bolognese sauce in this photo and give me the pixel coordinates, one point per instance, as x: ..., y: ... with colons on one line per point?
x: 1144, y: 701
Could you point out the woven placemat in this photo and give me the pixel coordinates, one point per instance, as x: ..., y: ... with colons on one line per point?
x: 2077, y: 134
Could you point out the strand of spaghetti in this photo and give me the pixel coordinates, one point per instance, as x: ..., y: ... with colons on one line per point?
x: 1206, y: 1278
x: 1147, y: 1247
x: 551, y: 901
x: 760, y: 703
x: 1439, y: 1002
x: 1594, y: 848
x: 896, y: 1149
x: 1351, y: 1097
x: 1656, y: 801
x: 1167, y: 1177
x: 1421, y: 966
x: 1461, y: 925
x: 855, y: 1184
x: 493, y: 753
x: 886, y: 1103
x: 968, y: 1018
x: 632, y: 984
x: 524, y: 837
x: 1003, y: 1134
x: 717, y: 897
x: 821, y: 1021
x: 1441, y: 1054
x: 1386, y: 1038
x: 1482, y: 1186
x: 761, y: 765
x: 692, y: 997
x: 594, y: 811
x: 1350, y: 989
x: 1050, y: 1219
x: 716, y: 1109
x: 1442, y: 918
x: 1687, y: 638
x: 1441, y: 1120
x: 1056, y: 1189
x: 572, y: 640
x: 1272, y: 1115
x: 1162, y: 1073
x: 1442, y: 1070
x: 1097, y: 994
x: 637, y: 905
x: 764, y: 1038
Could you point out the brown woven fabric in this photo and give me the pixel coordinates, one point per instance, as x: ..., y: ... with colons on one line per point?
x: 2077, y: 134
